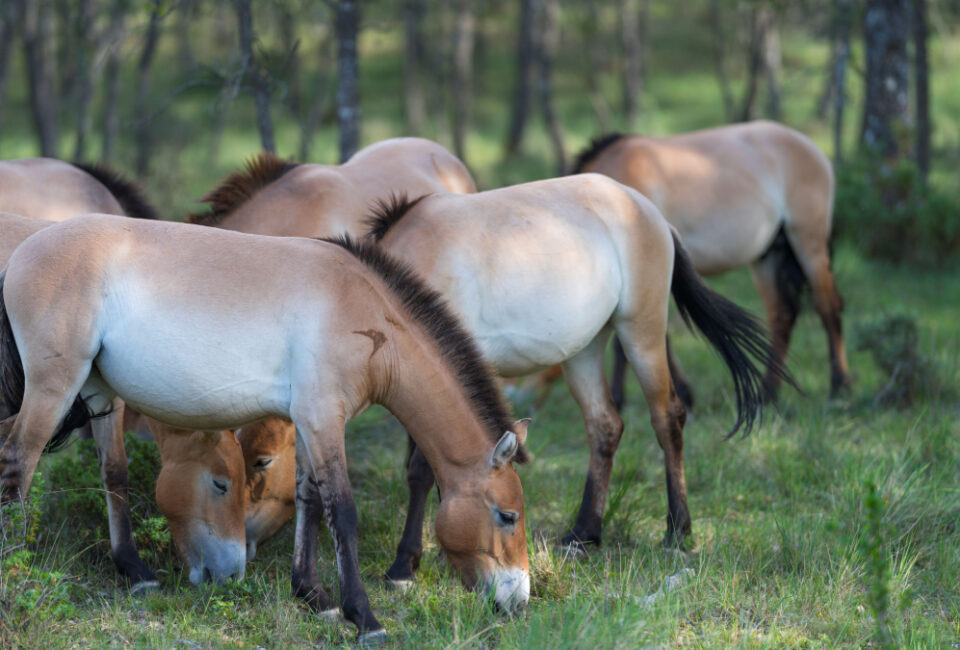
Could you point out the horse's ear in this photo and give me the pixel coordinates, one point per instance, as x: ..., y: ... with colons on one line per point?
x: 505, y: 450
x: 520, y: 428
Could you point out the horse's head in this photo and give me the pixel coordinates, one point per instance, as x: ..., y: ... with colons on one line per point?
x: 200, y: 492
x: 480, y: 525
x: 270, y: 455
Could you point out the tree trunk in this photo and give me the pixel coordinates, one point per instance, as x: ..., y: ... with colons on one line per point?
x: 922, y: 88
x: 596, y: 65
x: 633, y: 32
x: 549, y: 36
x: 462, y: 60
x: 413, y: 13
x: 843, y: 19
x: 521, y: 94
x: 111, y: 74
x: 771, y: 61
x: 8, y: 23
x: 885, y: 25
x: 251, y: 69
x: 36, y: 32
x: 84, y: 73
x: 719, y: 58
x: 288, y: 33
x: 142, y: 130
x: 754, y: 65
x: 348, y: 81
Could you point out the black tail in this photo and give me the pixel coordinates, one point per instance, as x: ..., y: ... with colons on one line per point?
x: 126, y: 192
x: 737, y: 336
x: 12, y: 384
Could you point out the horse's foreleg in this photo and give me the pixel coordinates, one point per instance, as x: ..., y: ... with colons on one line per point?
x: 667, y: 415
x: 108, y: 435
x: 419, y: 479
x: 322, y: 484
x: 588, y: 385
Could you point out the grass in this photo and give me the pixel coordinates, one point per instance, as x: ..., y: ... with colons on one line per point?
x: 779, y: 525
x: 780, y: 517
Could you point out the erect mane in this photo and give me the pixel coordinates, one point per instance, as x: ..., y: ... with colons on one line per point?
x: 387, y: 212
x: 240, y: 186
x: 593, y: 150
x: 432, y: 313
x: 126, y: 192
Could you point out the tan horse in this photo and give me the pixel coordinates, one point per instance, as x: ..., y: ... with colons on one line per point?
x: 199, y: 488
x: 276, y: 197
x: 53, y: 190
x: 756, y: 193
x: 543, y: 273
x: 148, y: 311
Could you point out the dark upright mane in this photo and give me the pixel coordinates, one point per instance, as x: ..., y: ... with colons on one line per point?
x: 387, y: 212
x: 593, y: 150
x: 431, y: 312
x: 240, y: 186
x: 126, y: 192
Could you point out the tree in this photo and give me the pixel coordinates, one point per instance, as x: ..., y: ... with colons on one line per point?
x: 885, y: 25
x: 548, y: 38
x: 521, y: 93
x: 843, y: 19
x: 413, y: 13
x: 634, y: 17
x: 144, y: 66
x: 250, y: 68
x: 111, y: 72
x: 36, y: 28
x: 8, y: 23
x: 348, y: 79
x: 462, y: 68
x: 763, y: 59
x: 83, y: 23
x: 922, y: 85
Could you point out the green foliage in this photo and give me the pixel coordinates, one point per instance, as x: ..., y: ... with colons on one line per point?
x: 894, y: 343
x: 872, y: 548
x: 889, y: 215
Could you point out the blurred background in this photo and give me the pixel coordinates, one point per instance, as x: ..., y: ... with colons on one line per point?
x: 177, y: 93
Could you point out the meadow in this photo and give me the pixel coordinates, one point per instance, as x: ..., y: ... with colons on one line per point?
x: 834, y: 524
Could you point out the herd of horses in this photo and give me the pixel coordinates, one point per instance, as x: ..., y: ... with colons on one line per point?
x: 247, y: 338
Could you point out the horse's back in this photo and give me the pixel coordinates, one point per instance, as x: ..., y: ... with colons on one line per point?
x: 14, y: 229
x: 44, y: 188
x: 415, y: 166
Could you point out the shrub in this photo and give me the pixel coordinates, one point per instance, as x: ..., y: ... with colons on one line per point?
x: 888, y: 214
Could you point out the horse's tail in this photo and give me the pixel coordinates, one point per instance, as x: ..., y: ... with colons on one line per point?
x: 126, y: 192
x: 12, y: 383
x: 736, y: 335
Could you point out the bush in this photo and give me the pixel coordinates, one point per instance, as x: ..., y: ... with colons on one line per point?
x: 887, y: 214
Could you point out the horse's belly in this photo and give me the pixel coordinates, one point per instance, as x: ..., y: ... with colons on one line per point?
x: 196, y: 378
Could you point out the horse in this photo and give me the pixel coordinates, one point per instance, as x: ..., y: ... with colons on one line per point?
x: 199, y: 488
x: 273, y: 196
x: 543, y: 273
x: 310, y: 330
x: 757, y: 193
x: 54, y: 190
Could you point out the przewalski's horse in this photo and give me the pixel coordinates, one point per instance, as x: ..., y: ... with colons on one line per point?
x: 543, y: 273
x: 53, y: 190
x: 756, y: 193
x: 327, y: 329
x: 272, y: 196
x: 200, y: 488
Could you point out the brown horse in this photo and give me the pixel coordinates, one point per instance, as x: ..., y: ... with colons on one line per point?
x: 327, y: 328
x: 543, y: 273
x: 53, y: 190
x: 272, y: 196
x: 199, y: 488
x: 756, y: 193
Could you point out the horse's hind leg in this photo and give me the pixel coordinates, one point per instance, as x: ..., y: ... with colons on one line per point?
x: 587, y: 383
x: 108, y: 435
x: 419, y: 479
x: 772, y: 277
x: 648, y: 356
x: 618, y: 384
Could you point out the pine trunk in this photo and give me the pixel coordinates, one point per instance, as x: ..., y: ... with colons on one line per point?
x: 462, y: 74
x: 521, y: 93
x: 252, y: 71
x: 348, y: 81
x: 885, y: 24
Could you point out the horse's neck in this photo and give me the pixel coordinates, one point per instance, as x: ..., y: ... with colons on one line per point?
x: 432, y: 405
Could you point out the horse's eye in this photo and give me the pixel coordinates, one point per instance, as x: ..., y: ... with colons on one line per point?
x: 507, y: 517
x: 262, y: 463
x: 220, y: 485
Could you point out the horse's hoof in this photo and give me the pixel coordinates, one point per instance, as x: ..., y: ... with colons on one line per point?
x: 144, y: 586
x: 331, y: 615
x: 370, y: 639
x: 403, y: 586
x: 573, y: 550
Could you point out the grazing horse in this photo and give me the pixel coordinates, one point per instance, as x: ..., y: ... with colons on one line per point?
x: 543, y: 273
x: 53, y: 190
x: 199, y: 488
x: 756, y: 193
x: 151, y: 312
x: 272, y: 196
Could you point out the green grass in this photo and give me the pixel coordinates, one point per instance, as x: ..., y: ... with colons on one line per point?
x: 778, y: 524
